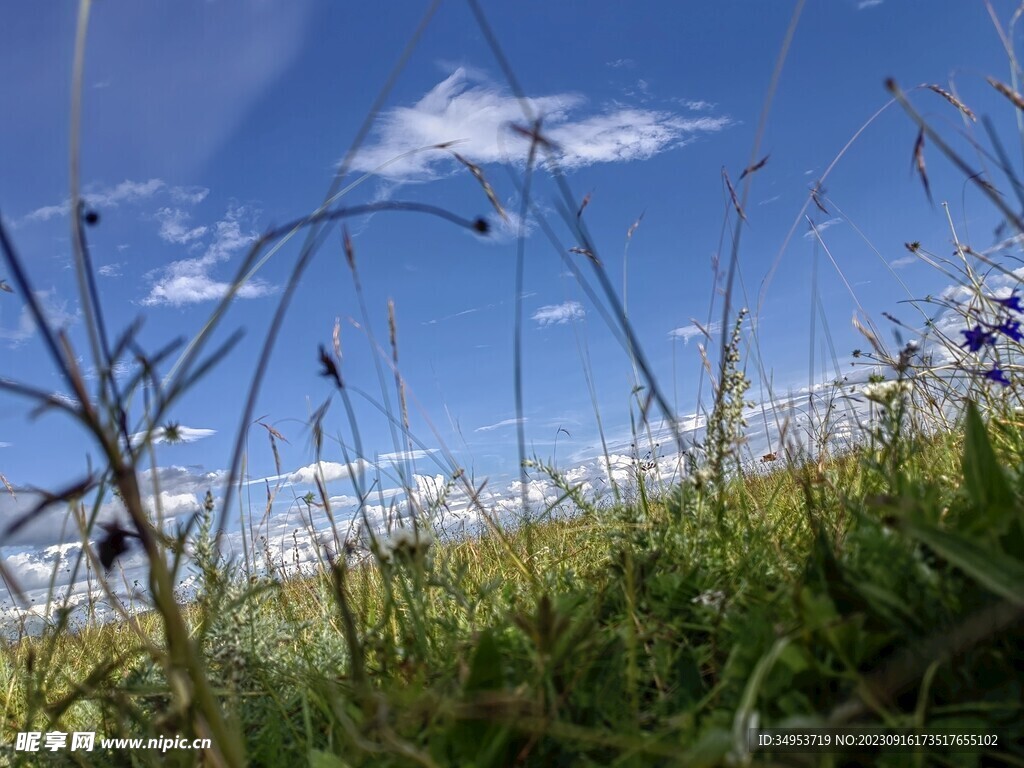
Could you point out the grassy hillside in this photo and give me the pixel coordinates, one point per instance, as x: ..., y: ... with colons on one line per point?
x: 850, y: 591
x: 881, y: 586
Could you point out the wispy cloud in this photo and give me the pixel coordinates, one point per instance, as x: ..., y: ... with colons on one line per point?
x: 179, y: 434
x: 173, y: 227
x: 474, y: 310
x: 188, y: 281
x: 188, y: 195
x: 558, y: 314
x: 477, y: 114
x: 499, y: 425
x: 698, y: 105
x: 55, y: 310
x: 821, y: 227
x: 692, y: 330
x: 504, y: 230
x: 903, y: 261
x: 100, y: 197
x: 620, y: 63
x: 127, y: 192
x: 863, y: 4
x: 110, y: 270
x: 463, y: 313
x: 412, y: 455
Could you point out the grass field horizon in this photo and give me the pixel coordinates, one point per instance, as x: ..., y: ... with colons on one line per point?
x: 778, y: 520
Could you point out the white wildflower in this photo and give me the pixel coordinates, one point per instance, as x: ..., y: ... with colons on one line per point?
x: 712, y: 598
x: 413, y: 542
x: 701, y: 477
x: 884, y: 392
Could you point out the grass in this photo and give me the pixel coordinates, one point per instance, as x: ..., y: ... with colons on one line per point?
x: 634, y: 640
x: 878, y: 586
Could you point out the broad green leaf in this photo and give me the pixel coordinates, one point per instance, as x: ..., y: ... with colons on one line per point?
x: 482, y: 743
x: 485, y: 673
x: 993, y: 569
x: 745, y: 717
x: 711, y: 749
x: 320, y: 759
x: 887, y: 604
x: 984, y: 480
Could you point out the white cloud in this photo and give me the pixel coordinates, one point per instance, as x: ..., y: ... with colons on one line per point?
x: 477, y: 115
x: 188, y: 195
x: 173, y: 228
x: 46, y: 213
x: 412, y: 455
x: 291, y: 545
x: 228, y: 235
x: 627, y: 134
x: 1014, y: 241
x: 178, y: 480
x: 34, y: 569
x: 188, y: 281
x: 620, y: 63
x: 331, y: 471
x: 55, y: 311
x: 182, y: 435
x: 690, y: 331
x: 698, y: 105
x: 174, y: 503
x: 498, y: 425
x: 504, y: 230
x: 863, y: 4
x: 558, y: 314
x: 110, y: 270
x: 100, y: 197
x: 903, y: 261
x: 125, y: 192
x: 183, y: 289
x: 809, y: 235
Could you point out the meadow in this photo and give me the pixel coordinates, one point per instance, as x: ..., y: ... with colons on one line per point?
x: 874, y: 582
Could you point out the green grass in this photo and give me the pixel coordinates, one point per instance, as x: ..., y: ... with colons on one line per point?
x: 630, y: 635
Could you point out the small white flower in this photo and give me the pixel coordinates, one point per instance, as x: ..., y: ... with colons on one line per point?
x: 701, y: 477
x: 884, y: 392
x: 326, y: 540
x: 384, y: 551
x: 712, y: 598
x: 410, y: 541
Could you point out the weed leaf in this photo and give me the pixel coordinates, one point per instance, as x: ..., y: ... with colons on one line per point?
x: 994, y: 570
x: 320, y: 759
x: 984, y: 481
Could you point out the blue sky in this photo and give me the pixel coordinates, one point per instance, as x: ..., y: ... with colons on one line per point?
x: 206, y: 123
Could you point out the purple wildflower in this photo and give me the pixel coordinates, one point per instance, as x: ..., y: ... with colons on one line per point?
x: 1011, y: 302
x: 998, y: 376
x: 1011, y: 328
x: 977, y: 337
